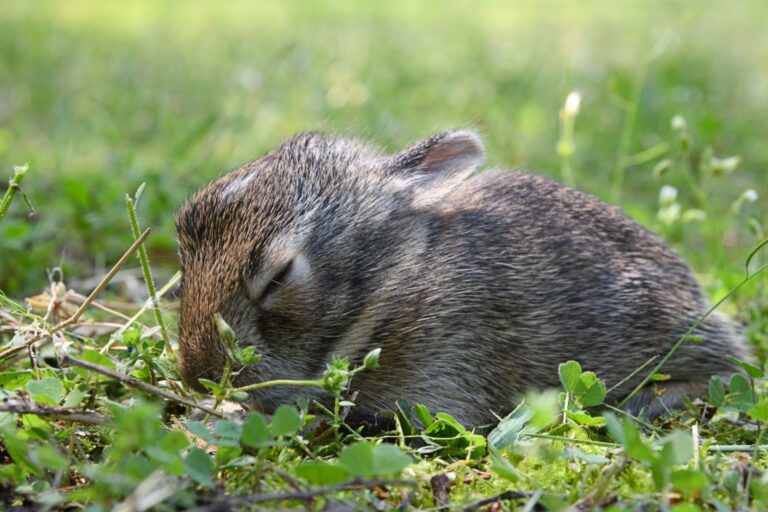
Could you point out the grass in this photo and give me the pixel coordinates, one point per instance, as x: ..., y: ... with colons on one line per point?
x: 665, y: 117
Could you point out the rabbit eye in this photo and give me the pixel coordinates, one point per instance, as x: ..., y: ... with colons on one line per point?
x: 278, y: 280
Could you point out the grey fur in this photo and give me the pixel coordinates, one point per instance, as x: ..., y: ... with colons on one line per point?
x: 475, y: 289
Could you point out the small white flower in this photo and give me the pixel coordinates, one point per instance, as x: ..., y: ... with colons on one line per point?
x: 750, y: 195
x: 667, y: 195
x: 572, y: 104
x: 678, y: 123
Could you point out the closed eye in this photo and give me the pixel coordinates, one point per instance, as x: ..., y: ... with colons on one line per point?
x: 277, y: 281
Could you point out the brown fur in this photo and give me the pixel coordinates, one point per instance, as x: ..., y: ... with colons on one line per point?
x: 475, y: 289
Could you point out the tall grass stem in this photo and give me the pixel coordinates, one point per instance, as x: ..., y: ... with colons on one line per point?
x: 130, y: 205
x: 627, y: 129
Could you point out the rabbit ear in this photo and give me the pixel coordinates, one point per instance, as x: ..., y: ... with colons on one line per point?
x: 433, y: 167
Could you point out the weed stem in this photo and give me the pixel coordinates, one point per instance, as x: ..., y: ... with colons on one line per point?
x: 129, y: 202
x: 279, y: 382
x: 14, y: 185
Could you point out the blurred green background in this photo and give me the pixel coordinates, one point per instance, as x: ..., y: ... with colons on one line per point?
x: 99, y: 97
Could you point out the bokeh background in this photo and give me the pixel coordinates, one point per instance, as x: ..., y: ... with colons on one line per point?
x: 99, y: 97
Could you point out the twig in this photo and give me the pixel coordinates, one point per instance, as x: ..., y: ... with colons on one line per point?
x: 63, y: 413
x: 136, y: 383
x: 101, y: 306
x: 503, y: 496
x: 86, y: 303
x: 311, y: 493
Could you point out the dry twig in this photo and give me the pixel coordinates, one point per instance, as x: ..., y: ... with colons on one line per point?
x: 354, y: 485
x: 19, y: 406
x: 136, y: 383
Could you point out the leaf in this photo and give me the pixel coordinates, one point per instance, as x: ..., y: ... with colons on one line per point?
x: 404, y: 418
x: 37, y: 427
x: 422, y: 413
x: 13, y: 380
x: 513, y: 428
x: 214, y: 387
x: 136, y: 467
x: 502, y: 467
x: 677, y: 448
x: 689, y: 480
x: 321, y: 473
x: 752, y: 371
x: 615, y: 428
x: 199, y: 466
x: 389, y: 460
x: 75, y: 398
x: 95, y: 357
x: 137, y: 195
x: 569, y: 375
x: 19, y: 450
x: 173, y: 442
x: 239, y: 396
x: 226, y: 333
x: 285, y: 421
x: 200, y: 430
x: 740, y: 392
x: 239, y: 462
x: 759, y: 246
x: 228, y: 433
x: 167, y: 451
x: 227, y: 453
x: 51, y: 458
x: 662, y: 167
x: 585, y: 387
x: 445, y: 431
x: 583, y: 418
x: 47, y: 390
x: 255, y: 431
x: 635, y: 446
x: 450, y: 420
x: 627, y: 435
x: 571, y: 452
x: 371, y: 360
x: 590, y: 390
x: 170, y: 446
x: 660, y: 474
x: 759, y: 411
x: 716, y: 391
x: 545, y: 407
x: 358, y: 460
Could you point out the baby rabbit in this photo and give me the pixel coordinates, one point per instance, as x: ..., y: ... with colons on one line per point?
x: 475, y: 289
